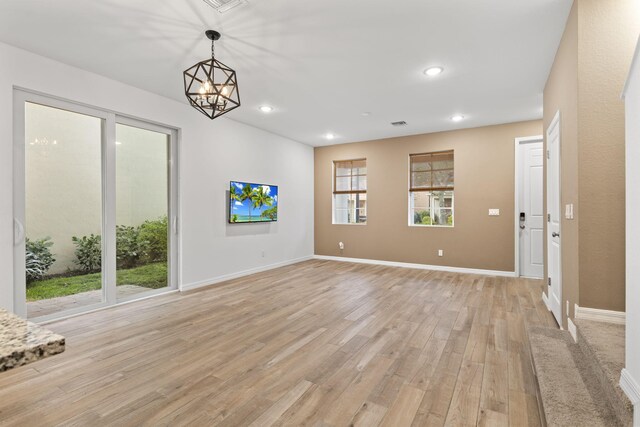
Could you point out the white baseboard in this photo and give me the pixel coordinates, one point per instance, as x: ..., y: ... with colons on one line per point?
x: 224, y: 278
x: 418, y: 266
x: 630, y: 386
x: 608, y: 316
x: 572, y: 329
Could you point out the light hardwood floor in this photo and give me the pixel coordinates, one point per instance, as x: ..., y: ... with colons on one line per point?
x: 317, y: 343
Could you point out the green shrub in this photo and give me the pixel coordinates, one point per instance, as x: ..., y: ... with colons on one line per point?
x: 39, y: 258
x: 152, y: 240
x: 33, y: 267
x: 88, y: 252
x: 134, y: 246
x: 127, y: 246
x: 422, y: 217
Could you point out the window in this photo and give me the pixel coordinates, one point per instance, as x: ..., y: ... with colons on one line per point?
x: 431, y: 189
x: 350, y: 191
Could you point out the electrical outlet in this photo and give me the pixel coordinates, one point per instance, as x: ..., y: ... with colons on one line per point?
x: 440, y: 252
x: 494, y: 212
x: 341, y: 245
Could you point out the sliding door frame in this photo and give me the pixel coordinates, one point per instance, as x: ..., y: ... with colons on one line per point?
x: 173, y: 260
x: 108, y: 174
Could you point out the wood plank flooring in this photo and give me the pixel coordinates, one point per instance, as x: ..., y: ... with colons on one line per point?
x: 319, y: 343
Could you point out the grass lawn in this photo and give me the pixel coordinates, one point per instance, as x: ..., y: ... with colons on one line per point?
x: 152, y: 276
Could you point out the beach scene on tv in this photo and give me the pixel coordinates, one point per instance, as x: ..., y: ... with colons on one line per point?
x: 252, y: 202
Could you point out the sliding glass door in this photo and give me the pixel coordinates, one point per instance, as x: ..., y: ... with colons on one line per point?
x: 95, y: 208
x: 142, y: 210
x: 63, y: 209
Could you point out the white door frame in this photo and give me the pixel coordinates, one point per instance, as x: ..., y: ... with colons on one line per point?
x: 517, y: 177
x: 555, y: 123
x: 19, y: 189
x: 173, y: 198
x: 109, y: 118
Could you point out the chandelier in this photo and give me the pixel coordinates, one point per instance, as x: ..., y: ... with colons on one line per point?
x: 211, y: 86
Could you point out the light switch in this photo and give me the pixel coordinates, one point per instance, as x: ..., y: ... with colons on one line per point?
x: 494, y: 212
x: 568, y: 211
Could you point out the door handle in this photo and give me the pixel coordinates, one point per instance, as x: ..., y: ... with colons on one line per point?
x: 18, y: 232
x: 554, y: 234
x: 175, y: 225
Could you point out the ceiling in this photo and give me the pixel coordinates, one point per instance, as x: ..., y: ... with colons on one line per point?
x: 320, y: 64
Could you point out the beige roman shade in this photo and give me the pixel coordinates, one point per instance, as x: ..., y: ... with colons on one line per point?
x: 431, y: 171
x: 350, y: 176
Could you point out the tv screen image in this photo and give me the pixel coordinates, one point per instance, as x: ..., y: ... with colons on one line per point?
x: 249, y: 202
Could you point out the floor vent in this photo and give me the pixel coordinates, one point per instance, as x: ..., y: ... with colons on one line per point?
x: 223, y: 6
x: 400, y: 123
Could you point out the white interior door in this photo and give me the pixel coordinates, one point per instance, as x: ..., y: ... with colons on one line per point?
x: 531, y: 209
x: 553, y: 219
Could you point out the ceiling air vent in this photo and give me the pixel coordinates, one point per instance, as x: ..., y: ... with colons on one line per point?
x: 223, y: 6
x: 400, y: 123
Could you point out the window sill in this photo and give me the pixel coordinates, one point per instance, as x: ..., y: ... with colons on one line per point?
x: 349, y: 223
x: 431, y: 226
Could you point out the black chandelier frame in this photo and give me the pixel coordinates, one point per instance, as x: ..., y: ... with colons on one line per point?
x: 212, y: 98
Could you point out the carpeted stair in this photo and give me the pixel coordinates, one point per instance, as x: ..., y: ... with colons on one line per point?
x: 571, y: 394
x: 603, y: 345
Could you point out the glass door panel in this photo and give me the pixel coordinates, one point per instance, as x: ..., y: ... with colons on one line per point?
x: 63, y: 210
x: 142, y: 211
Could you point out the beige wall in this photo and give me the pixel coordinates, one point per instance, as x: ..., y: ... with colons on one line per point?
x: 585, y: 84
x: 607, y: 31
x: 484, y: 179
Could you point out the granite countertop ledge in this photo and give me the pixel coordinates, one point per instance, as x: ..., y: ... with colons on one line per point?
x: 23, y: 342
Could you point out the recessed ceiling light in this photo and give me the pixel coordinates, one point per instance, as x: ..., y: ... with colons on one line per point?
x: 433, y: 71
x: 266, y: 108
x: 457, y: 118
x: 366, y: 114
x: 330, y: 136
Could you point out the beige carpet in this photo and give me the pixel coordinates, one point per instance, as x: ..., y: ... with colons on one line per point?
x: 604, y: 345
x: 570, y: 394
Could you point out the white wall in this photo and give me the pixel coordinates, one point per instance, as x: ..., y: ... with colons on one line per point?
x: 632, y: 107
x: 212, y: 153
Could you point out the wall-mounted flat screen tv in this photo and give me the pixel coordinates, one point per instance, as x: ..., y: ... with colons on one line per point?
x: 250, y: 202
